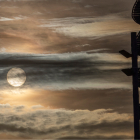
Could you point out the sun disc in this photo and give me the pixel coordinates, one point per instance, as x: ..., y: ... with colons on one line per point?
x: 16, y: 77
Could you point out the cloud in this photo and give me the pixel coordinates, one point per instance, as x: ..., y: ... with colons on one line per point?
x: 91, y: 27
x: 77, y: 1
x: 8, y: 7
x: 52, y: 123
x: 68, y: 70
x: 5, y: 105
x: 9, y: 19
x: 72, y: 21
x: 79, y: 21
x: 64, y: 30
x: 19, y: 108
x: 84, y: 45
x: 37, y: 106
x: 88, y: 6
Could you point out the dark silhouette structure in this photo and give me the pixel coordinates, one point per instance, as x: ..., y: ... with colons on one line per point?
x: 134, y: 51
x: 135, y: 48
x: 136, y: 12
x: 135, y: 71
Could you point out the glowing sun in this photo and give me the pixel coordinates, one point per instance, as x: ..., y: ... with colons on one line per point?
x: 16, y: 77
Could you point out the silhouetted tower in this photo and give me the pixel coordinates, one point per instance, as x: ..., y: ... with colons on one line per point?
x: 135, y: 47
x: 134, y: 71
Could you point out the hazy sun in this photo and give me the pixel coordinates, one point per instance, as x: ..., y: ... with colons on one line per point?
x: 16, y: 77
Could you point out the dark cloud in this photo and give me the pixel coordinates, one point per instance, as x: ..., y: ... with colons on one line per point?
x: 72, y: 70
x: 69, y: 122
x: 19, y: 108
x: 104, y: 126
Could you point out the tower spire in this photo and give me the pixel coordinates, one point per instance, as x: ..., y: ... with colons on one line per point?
x: 136, y: 12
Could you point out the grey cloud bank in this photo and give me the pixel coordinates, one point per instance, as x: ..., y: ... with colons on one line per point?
x: 58, y: 123
x: 69, y: 70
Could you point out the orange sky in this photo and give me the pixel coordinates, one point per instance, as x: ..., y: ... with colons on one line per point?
x: 76, y: 90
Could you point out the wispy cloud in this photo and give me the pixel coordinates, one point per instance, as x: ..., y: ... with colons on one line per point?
x: 14, y: 18
x: 91, y: 27
x: 37, y: 106
x: 52, y: 123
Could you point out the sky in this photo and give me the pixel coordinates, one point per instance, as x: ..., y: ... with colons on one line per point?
x: 69, y: 50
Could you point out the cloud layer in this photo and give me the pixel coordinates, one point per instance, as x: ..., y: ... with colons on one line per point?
x: 69, y: 71
x: 60, y: 26
x: 59, y: 123
x: 73, y: 69
x: 92, y: 27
